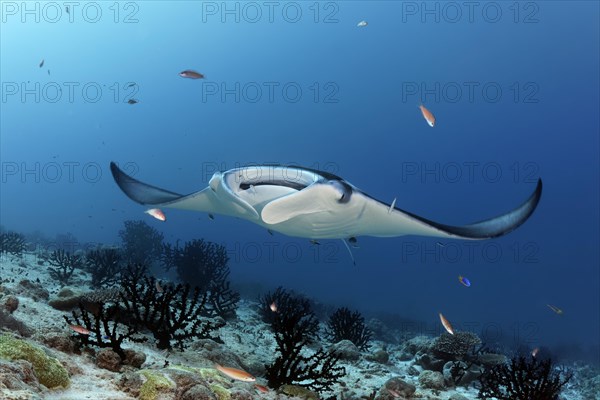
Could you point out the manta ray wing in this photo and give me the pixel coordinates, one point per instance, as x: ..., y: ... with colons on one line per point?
x: 378, y: 221
x: 204, y: 200
x: 141, y: 192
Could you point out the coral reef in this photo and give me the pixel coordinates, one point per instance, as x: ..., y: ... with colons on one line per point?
x: 170, y: 313
x: 347, y: 325
x: 524, y: 378
x: 204, y: 265
x: 135, y: 271
x: 295, y: 328
x: 104, y: 265
x: 222, y: 301
x: 48, y: 370
x: 455, y: 347
x: 141, y: 243
x: 12, y: 243
x: 154, y: 384
x: 62, y: 264
x: 104, y: 328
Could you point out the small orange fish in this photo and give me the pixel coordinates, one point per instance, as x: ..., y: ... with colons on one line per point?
x: 446, y: 324
x: 261, y: 388
x: 427, y: 115
x: 235, y: 373
x: 273, y: 307
x: 79, y: 329
x: 188, y: 73
x: 535, y: 352
x: 156, y: 213
x: 555, y: 309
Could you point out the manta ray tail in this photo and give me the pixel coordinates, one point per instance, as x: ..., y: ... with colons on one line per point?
x: 140, y: 192
x: 494, y: 227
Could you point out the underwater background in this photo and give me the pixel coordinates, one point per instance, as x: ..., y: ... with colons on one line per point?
x: 514, y: 87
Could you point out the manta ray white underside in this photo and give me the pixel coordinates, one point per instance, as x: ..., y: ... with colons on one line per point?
x: 312, y: 204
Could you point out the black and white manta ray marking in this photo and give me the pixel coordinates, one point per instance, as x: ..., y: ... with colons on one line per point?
x: 312, y: 204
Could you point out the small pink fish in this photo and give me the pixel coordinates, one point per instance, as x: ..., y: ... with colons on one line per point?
x: 394, y: 393
x: 156, y: 213
x: 235, y: 373
x: 159, y: 288
x: 427, y: 115
x: 188, y: 73
x: 261, y: 388
x: 446, y: 324
x: 273, y: 307
x: 79, y: 329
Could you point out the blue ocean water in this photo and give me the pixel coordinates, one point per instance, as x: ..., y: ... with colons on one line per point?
x: 514, y: 87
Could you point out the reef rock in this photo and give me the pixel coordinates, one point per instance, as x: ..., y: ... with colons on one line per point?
x: 35, y: 290
x: 346, y: 350
x: 9, y: 322
x: 108, y: 359
x: 398, y: 386
x: 431, y: 380
x: 380, y: 356
x: 10, y: 303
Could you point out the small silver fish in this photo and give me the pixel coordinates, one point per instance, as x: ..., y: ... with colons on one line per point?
x: 42, y: 63
x: 188, y: 73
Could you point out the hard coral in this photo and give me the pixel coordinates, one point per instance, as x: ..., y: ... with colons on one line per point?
x: 104, y: 265
x: 141, y: 242
x: 12, y: 243
x: 455, y: 347
x: 62, y: 266
x: 295, y: 327
x: 173, y: 313
x: 346, y: 325
x: 48, y: 370
x: 523, y: 379
x: 204, y: 265
x: 105, y: 330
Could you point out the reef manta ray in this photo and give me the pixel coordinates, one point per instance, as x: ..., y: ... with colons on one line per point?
x: 312, y: 204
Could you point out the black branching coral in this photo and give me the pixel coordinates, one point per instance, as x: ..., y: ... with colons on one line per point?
x: 279, y: 300
x: 104, y: 328
x: 173, y: 314
x: 141, y: 243
x: 203, y: 264
x: 347, y: 325
x: 524, y: 378
x: 295, y: 325
x: 62, y: 264
x: 12, y: 243
x: 105, y: 266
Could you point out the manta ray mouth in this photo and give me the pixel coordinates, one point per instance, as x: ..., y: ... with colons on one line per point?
x: 283, y: 183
